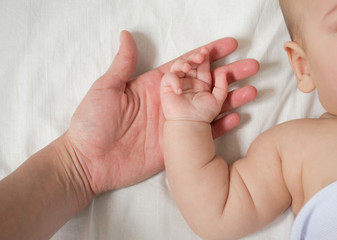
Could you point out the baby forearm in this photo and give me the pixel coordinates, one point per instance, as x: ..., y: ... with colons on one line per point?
x: 190, y: 141
x: 198, y: 178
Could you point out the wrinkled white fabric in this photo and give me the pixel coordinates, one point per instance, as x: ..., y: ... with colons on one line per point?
x: 52, y: 51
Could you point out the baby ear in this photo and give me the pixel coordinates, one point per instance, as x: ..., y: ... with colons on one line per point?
x: 298, y: 61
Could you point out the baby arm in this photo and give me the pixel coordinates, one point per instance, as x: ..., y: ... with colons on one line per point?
x: 217, y: 201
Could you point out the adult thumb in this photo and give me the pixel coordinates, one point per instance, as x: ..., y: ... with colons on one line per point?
x: 125, y: 61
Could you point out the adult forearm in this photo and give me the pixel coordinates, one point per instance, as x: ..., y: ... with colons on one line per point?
x: 42, y: 194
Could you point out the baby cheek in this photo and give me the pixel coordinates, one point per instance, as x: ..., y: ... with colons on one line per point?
x: 328, y: 95
x: 332, y: 27
x: 325, y: 78
x: 326, y: 68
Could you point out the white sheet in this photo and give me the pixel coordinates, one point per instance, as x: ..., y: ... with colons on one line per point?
x: 52, y: 51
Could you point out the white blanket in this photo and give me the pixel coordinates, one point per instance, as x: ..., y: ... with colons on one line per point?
x: 52, y: 51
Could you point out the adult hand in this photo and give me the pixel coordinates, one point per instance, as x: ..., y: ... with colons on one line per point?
x: 116, y: 132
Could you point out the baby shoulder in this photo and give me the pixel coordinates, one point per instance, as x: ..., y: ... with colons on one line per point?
x: 303, y: 127
x: 296, y: 131
x: 293, y: 135
x: 303, y: 133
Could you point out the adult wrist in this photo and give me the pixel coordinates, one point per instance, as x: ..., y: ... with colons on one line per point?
x: 74, y: 176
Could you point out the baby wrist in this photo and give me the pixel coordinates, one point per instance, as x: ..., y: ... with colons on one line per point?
x: 187, y: 125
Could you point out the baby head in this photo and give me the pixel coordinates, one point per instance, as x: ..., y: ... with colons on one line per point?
x: 291, y: 18
x: 312, y: 25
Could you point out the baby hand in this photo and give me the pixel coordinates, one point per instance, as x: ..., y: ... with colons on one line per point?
x: 188, y: 92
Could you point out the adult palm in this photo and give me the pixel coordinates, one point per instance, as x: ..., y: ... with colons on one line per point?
x: 116, y: 131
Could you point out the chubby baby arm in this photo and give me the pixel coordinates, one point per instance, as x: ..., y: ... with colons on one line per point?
x: 217, y: 201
